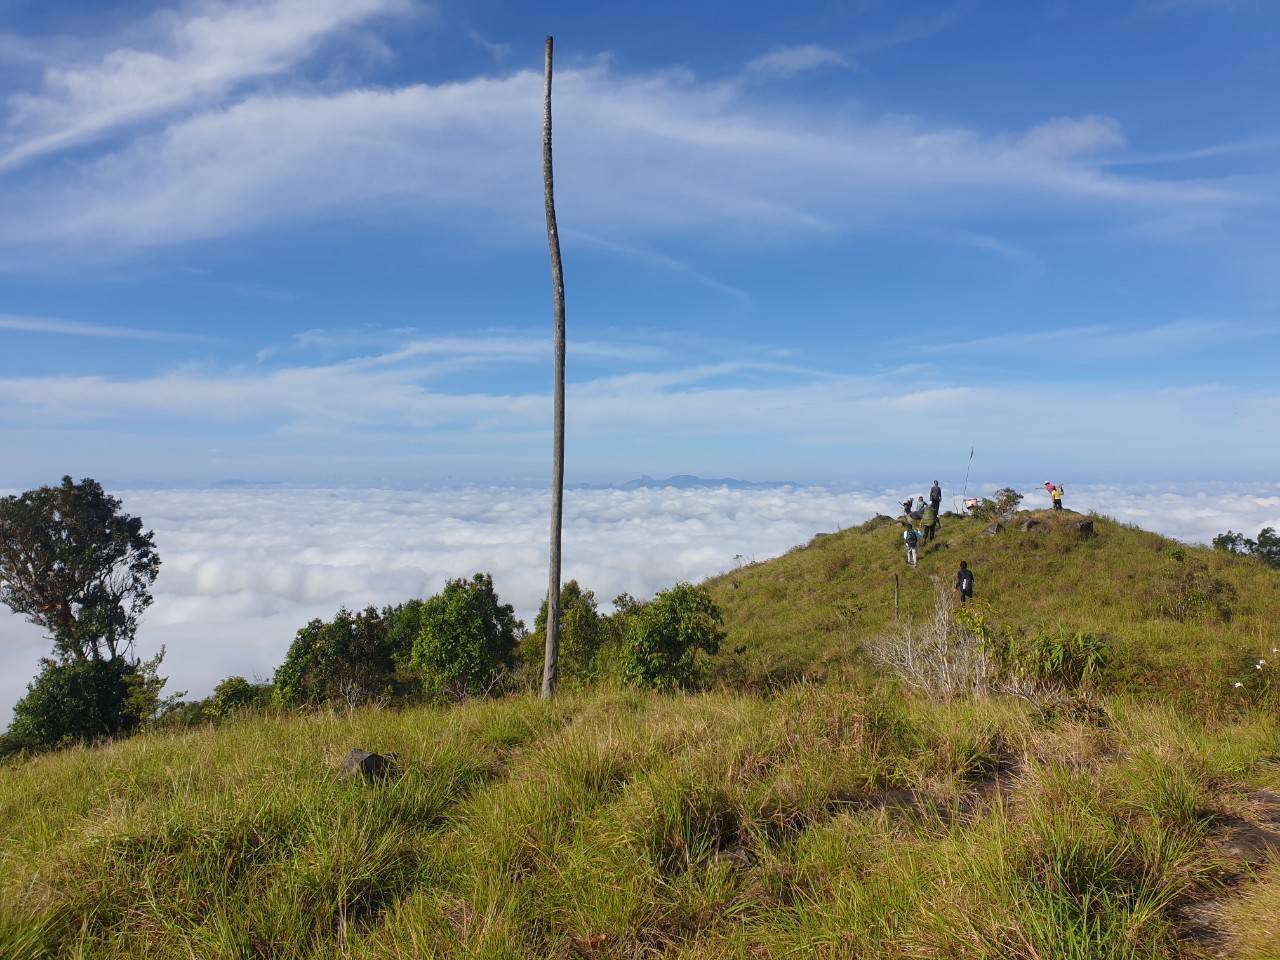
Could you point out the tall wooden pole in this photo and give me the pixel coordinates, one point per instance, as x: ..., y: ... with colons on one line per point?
x: 551, y: 663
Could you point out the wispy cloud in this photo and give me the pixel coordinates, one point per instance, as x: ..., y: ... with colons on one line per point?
x: 1113, y: 342
x: 73, y: 328
x: 196, y: 53
x: 786, y: 62
x: 693, y: 156
x: 1010, y: 252
x: 657, y: 259
x: 499, y: 51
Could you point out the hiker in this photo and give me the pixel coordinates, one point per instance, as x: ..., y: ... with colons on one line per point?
x: 911, y: 538
x: 930, y: 522
x: 919, y: 505
x: 964, y: 582
x: 1055, y: 493
x: 935, y: 496
x: 906, y: 507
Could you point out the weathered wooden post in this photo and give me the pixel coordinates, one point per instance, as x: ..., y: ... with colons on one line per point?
x: 551, y: 663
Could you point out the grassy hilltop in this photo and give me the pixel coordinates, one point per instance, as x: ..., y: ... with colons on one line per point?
x: 1181, y: 621
x: 836, y: 817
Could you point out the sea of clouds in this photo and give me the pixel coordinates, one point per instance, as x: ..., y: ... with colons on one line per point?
x: 244, y: 568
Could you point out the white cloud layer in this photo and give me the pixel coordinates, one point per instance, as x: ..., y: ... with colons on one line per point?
x: 243, y: 569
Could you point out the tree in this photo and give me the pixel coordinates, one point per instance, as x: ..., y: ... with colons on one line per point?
x: 582, y: 631
x: 1002, y: 507
x: 467, y: 639
x: 73, y: 563
x: 350, y: 659
x: 551, y: 661
x: 664, y: 637
x: 236, y: 695
x: 1266, y: 548
x: 83, y: 701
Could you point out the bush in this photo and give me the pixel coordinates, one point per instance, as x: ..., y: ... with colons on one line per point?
x: 1191, y: 592
x: 582, y: 633
x: 663, y: 638
x: 350, y: 659
x: 84, y: 701
x: 237, y: 695
x: 1002, y: 507
x: 1059, y: 658
x: 467, y: 640
x: 947, y: 655
x: 960, y: 651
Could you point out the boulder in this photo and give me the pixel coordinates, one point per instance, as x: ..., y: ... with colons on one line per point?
x: 1083, y: 527
x: 1030, y: 525
x: 369, y: 766
x: 992, y: 530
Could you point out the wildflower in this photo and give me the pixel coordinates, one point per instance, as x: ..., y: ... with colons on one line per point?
x: 1238, y: 684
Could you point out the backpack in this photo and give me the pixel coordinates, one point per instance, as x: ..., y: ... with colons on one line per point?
x: 911, y: 537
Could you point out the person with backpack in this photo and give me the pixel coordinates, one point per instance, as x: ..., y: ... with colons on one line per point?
x: 929, y: 523
x: 964, y: 582
x: 935, y: 496
x: 912, y: 539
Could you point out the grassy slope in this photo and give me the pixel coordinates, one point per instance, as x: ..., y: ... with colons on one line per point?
x: 821, y: 822
x: 832, y: 820
x: 803, y: 613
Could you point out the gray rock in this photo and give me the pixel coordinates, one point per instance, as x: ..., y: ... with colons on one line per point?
x: 1083, y: 527
x: 1031, y: 525
x: 370, y: 766
x: 992, y: 530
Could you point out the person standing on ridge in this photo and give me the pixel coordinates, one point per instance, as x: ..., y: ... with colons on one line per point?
x: 1055, y: 493
x: 919, y: 504
x: 935, y: 496
x: 930, y: 522
x: 964, y: 582
x: 911, y: 538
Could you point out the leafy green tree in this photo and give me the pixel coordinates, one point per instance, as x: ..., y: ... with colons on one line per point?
x: 73, y: 563
x: 467, y: 638
x: 349, y: 659
x: 83, y: 701
x: 1001, y: 506
x: 1266, y: 548
x: 664, y: 637
x: 582, y: 631
x: 236, y: 695
x: 344, y: 659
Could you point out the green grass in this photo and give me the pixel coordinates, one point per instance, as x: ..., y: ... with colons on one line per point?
x: 805, y: 807
x: 805, y: 614
x: 824, y: 822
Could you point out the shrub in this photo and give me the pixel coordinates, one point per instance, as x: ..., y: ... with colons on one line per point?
x: 466, y: 640
x: 663, y: 638
x: 1000, y: 507
x: 1191, y: 592
x: 237, y: 695
x: 1061, y: 658
x: 582, y: 633
x: 960, y: 651
x: 945, y: 656
x: 350, y: 659
x: 83, y: 701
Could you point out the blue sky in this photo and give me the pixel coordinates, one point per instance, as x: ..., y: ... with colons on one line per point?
x: 301, y: 240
